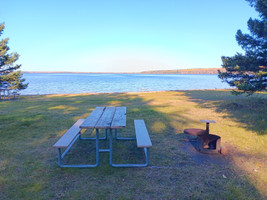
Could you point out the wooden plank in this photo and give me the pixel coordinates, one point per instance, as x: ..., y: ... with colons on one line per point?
x: 69, y: 136
x: 142, y: 137
x: 93, y: 118
x: 119, y: 119
x: 106, y: 118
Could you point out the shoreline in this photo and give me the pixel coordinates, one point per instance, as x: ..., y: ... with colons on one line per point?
x: 100, y: 93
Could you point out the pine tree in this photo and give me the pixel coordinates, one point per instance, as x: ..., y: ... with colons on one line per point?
x: 248, y: 72
x: 8, y: 69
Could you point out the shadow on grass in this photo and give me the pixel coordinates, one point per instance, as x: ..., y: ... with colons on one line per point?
x: 28, y: 162
x: 250, y: 111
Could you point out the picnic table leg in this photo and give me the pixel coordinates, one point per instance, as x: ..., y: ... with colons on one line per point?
x: 97, y: 148
x: 110, y: 147
x: 60, y: 156
x: 106, y: 133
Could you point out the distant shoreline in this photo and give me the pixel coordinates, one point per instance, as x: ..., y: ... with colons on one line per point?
x: 178, y: 71
x: 137, y: 92
x: 66, y: 72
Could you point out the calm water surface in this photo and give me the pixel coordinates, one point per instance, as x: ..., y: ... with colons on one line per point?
x: 101, y: 83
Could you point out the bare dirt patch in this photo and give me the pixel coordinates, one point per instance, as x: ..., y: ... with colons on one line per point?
x: 189, y: 147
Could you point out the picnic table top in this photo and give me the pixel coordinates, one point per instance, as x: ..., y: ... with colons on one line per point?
x: 106, y: 117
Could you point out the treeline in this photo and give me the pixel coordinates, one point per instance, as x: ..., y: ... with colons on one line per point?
x: 186, y: 71
x: 178, y: 71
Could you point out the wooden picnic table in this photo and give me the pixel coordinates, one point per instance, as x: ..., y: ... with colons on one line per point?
x: 107, y: 118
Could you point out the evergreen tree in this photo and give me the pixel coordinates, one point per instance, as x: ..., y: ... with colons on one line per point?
x: 248, y: 72
x: 8, y: 69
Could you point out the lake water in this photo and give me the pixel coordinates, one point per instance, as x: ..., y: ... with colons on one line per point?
x: 102, y: 83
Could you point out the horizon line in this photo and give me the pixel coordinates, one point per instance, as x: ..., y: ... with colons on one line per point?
x: 147, y: 71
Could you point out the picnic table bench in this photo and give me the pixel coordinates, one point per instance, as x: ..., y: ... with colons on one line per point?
x: 67, y: 140
x: 142, y: 136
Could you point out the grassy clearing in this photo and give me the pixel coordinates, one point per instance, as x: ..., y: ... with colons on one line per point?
x: 29, y: 127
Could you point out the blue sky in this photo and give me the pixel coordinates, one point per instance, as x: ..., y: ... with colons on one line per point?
x: 123, y: 35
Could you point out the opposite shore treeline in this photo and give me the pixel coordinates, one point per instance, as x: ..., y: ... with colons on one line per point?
x: 178, y: 71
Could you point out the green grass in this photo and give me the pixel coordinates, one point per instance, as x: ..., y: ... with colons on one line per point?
x: 29, y: 127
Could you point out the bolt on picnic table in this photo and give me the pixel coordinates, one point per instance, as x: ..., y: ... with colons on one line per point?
x: 108, y: 118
